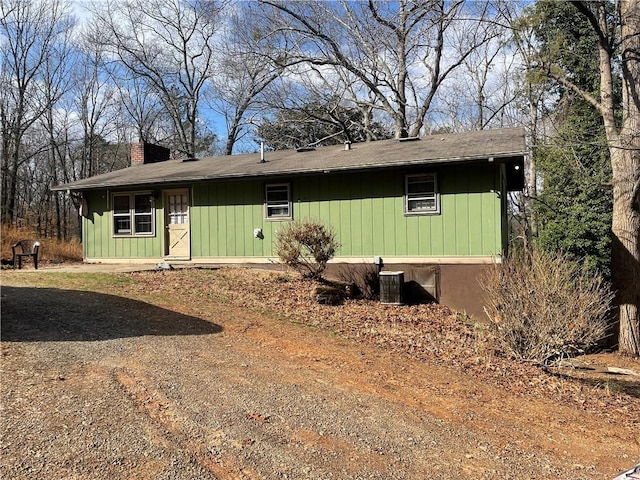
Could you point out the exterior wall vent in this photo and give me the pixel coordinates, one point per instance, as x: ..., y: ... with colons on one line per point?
x: 409, y: 139
x: 305, y: 149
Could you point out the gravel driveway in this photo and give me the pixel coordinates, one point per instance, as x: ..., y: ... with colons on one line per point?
x: 98, y: 386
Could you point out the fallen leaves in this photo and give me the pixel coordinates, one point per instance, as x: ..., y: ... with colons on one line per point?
x: 429, y: 332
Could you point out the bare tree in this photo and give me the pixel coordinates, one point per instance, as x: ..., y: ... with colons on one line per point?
x: 484, y: 91
x: 55, y: 83
x: 243, y: 72
x: 32, y: 33
x: 94, y: 100
x: 400, y: 52
x: 318, y: 106
x: 142, y: 106
x: 170, y: 45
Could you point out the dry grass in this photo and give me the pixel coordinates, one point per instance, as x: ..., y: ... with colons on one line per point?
x: 51, y: 249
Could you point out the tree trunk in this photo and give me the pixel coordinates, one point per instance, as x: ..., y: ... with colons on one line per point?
x: 625, y: 254
x: 11, y: 216
x: 625, y: 162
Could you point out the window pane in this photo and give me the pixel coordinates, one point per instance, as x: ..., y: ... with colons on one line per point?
x: 143, y: 203
x: 278, y: 201
x: 122, y: 224
x: 282, y: 211
x: 278, y: 196
x: 177, y: 218
x: 178, y: 205
x: 279, y: 193
x: 121, y: 204
x: 421, y: 194
x: 422, y: 204
x: 133, y: 214
x: 421, y: 187
x: 421, y: 184
x: 143, y: 224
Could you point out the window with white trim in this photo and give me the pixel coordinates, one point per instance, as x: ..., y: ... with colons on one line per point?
x: 133, y: 214
x: 278, y: 201
x: 421, y: 194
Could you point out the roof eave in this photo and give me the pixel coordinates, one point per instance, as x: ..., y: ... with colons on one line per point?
x: 506, y: 156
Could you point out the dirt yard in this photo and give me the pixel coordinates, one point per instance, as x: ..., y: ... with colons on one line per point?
x: 235, y: 374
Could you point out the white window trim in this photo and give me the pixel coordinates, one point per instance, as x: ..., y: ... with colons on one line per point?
x: 289, y: 203
x: 435, y: 195
x: 132, y: 214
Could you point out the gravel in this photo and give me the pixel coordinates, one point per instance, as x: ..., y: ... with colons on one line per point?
x: 99, y: 386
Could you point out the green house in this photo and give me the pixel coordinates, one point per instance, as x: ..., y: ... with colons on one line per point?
x: 434, y: 207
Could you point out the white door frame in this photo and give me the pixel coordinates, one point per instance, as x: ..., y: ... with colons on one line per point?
x: 177, y: 234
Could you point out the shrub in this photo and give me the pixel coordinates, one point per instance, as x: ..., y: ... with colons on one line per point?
x: 306, y: 246
x: 543, y: 307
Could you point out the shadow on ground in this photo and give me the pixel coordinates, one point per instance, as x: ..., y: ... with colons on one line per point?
x: 50, y: 314
x: 611, y: 382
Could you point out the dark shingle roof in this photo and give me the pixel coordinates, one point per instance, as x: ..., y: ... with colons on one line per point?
x: 450, y: 148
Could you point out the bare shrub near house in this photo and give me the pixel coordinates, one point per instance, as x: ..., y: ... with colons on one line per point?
x: 306, y: 246
x: 543, y: 307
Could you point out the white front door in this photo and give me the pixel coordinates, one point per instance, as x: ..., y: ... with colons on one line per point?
x: 178, y: 239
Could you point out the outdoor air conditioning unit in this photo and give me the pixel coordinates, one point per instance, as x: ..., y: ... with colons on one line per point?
x: 391, y: 287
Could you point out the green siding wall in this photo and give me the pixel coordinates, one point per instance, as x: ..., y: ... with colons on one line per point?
x: 366, y: 209
x: 98, y: 241
x: 223, y: 217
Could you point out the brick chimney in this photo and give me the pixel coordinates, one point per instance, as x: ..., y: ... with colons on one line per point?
x: 143, y: 153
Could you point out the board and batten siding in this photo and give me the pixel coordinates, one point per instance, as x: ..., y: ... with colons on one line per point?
x: 99, y: 243
x: 366, y: 210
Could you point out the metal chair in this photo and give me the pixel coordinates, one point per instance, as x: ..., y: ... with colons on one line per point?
x: 27, y: 248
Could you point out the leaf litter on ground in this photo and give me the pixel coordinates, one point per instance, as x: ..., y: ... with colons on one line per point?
x: 430, y: 333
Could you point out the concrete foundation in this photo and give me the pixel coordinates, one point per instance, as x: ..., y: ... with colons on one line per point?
x: 457, y: 286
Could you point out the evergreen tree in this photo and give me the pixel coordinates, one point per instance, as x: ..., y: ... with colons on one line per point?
x: 613, y: 29
x: 574, y: 207
x: 575, y: 203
